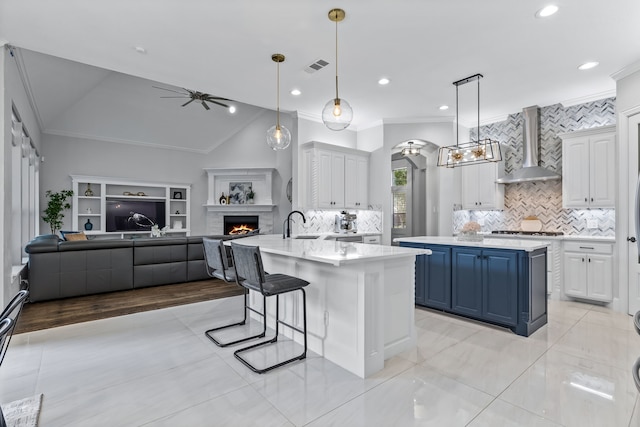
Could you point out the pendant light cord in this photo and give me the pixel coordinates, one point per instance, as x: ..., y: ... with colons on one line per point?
x: 337, y: 97
x: 478, y: 131
x: 457, y: 119
x: 278, y: 98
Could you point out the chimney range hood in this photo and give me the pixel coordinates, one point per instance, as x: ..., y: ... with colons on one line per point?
x: 530, y: 171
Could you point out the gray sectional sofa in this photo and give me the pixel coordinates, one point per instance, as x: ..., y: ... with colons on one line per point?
x: 61, y: 269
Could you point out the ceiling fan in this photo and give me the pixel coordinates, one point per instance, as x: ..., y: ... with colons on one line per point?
x: 193, y: 95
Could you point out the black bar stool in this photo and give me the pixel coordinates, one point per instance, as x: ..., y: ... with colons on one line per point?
x: 6, y: 327
x: 218, y: 267
x: 12, y: 311
x: 250, y: 274
x: 8, y: 321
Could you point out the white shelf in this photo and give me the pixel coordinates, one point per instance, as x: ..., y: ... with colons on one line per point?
x: 108, y: 188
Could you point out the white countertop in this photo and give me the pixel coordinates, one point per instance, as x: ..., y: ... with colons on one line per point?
x: 604, y: 239
x: 332, y: 235
x: 487, y: 242
x: 327, y: 251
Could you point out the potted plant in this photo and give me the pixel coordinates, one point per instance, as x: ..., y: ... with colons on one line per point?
x: 56, y: 204
x: 250, y: 196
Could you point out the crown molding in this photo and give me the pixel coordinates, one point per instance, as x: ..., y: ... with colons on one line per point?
x: 588, y: 98
x: 626, y: 71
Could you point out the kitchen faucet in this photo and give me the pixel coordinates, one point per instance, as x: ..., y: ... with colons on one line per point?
x: 286, y: 226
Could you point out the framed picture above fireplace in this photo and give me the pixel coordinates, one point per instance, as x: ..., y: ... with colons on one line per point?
x: 238, y: 192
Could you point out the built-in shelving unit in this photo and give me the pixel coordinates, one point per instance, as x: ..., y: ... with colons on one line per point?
x: 91, y: 194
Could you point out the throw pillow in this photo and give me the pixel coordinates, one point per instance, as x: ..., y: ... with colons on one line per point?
x: 64, y: 233
x: 76, y: 236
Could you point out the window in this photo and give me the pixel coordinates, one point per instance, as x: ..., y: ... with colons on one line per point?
x: 399, y: 187
x: 399, y: 210
x: 25, y: 161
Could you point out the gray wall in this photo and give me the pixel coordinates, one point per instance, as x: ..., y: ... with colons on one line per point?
x: 66, y: 156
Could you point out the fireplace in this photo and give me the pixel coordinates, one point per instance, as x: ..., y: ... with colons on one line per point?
x: 240, y: 224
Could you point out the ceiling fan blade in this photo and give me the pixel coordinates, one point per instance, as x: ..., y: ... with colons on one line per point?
x: 184, y: 96
x: 218, y: 103
x: 209, y: 98
x: 206, y: 107
x: 170, y: 90
x: 188, y: 102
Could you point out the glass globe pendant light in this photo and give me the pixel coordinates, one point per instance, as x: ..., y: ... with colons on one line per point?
x: 337, y: 113
x: 278, y: 136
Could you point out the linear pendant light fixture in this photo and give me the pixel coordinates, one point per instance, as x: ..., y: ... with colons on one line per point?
x: 278, y: 136
x: 473, y: 152
x: 337, y: 113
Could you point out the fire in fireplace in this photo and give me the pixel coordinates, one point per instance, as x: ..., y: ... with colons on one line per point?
x: 240, y: 224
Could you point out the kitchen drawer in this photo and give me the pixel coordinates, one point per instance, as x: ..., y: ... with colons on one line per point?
x: 588, y: 247
x: 372, y: 240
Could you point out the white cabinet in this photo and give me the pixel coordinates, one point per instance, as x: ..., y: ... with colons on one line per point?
x: 334, y: 177
x: 356, y: 169
x: 330, y: 179
x: 479, y: 188
x: 588, y: 270
x: 95, y: 198
x: 588, y: 168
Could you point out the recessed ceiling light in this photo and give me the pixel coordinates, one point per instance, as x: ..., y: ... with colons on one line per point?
x: 295, y: 92
x: 547, y: 11
x: 232, y: 109
x: 140, y: 49
x: 384, y: 81
x: 588, y: 65
x: 443, y: 107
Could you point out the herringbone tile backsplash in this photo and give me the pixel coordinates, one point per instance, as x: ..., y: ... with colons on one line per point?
x: 544, y: 199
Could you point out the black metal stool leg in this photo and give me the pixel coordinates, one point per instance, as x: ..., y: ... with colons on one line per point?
x: 303, y: 331
x: 247, y: 307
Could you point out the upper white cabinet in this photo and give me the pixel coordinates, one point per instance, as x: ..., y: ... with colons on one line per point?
x: 588, y: 168
x: 334, y: 177
x: 479, y: 188
x: 356, y: 173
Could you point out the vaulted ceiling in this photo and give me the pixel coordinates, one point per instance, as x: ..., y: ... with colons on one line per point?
x: 225, y: 48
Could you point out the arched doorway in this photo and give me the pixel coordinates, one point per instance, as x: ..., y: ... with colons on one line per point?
x: 414, y: 189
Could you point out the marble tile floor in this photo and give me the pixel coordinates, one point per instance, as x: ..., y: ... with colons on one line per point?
x: 158, y: 369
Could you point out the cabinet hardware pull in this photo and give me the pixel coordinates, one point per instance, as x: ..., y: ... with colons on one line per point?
x: 586, y: 247
x: 589, y: 259
x: 582, y: 259
x: 631, y: 239
x: 592, y: 199
x: 585, y: 199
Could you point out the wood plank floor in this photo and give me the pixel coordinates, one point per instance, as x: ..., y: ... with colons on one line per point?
x: 49, y: 314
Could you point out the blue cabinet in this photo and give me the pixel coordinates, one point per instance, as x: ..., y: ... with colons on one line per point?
x: 500, y: 286
x: 433, y: 276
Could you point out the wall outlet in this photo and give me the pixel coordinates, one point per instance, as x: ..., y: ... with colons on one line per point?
x: 592, y: 223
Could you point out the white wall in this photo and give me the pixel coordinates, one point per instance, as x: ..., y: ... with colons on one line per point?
x: 65, y: 156
x: 627, y: 103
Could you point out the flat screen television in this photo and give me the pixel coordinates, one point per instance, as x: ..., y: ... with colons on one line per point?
x: 135, y: 215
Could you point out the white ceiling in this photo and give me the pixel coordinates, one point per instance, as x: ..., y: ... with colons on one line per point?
x: 225, y: 48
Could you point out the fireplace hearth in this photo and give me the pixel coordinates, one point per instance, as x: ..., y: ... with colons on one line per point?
x: 240, y: 224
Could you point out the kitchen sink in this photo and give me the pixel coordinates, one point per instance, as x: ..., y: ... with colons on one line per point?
x: 306, y: 236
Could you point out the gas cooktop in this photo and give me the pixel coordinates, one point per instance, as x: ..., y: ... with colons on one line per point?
x: 529, y: 233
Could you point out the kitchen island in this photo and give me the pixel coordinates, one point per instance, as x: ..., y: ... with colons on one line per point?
x: 360, y: 300
x: 499, y: 281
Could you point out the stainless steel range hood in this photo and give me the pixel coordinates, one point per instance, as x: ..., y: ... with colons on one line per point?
x: 530, y: 170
